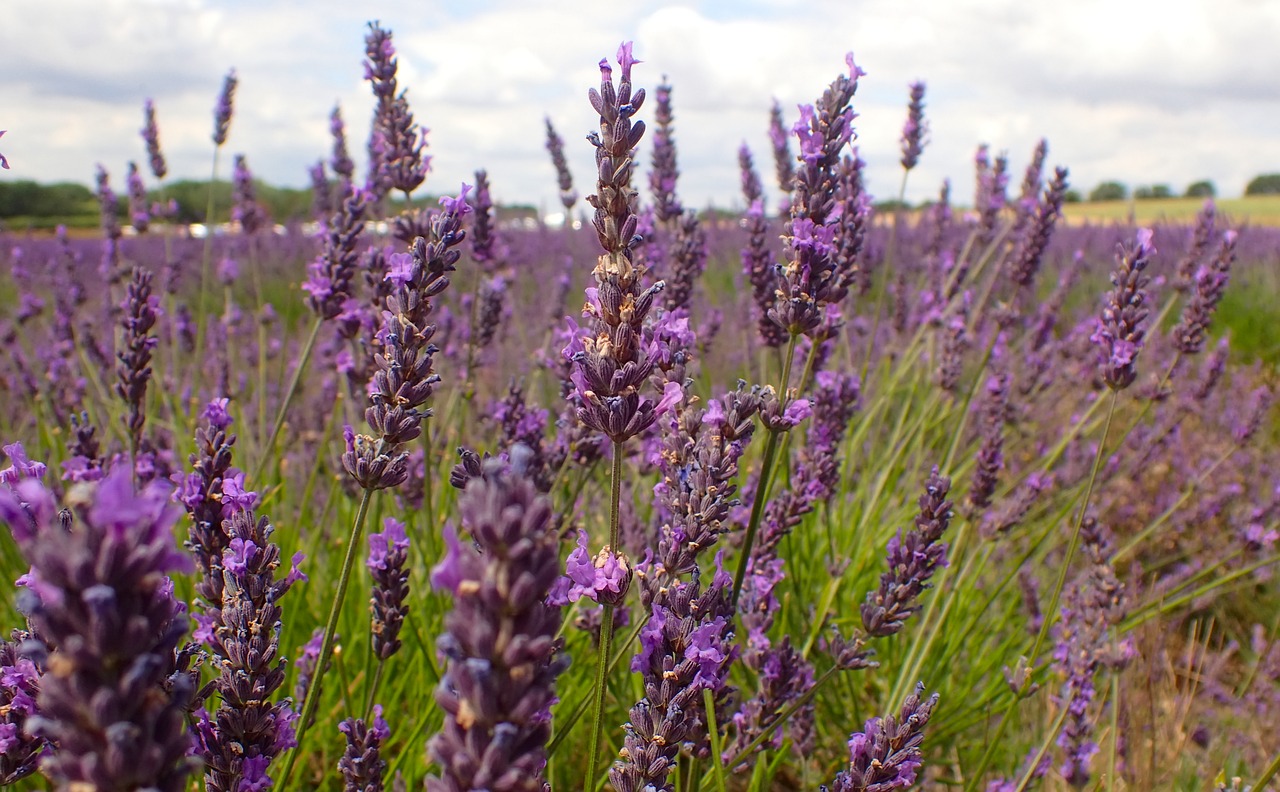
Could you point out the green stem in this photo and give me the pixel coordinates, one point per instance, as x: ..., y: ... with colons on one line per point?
x: 606, y: 629
x: 330, y: 627
x: 201, y: 311
x: 278, y: 424
x: 373, y: 688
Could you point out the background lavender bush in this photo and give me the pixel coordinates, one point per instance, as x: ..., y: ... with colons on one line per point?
x: 1028, y: 466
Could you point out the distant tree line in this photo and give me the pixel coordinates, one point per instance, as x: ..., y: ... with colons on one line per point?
x: 1267, y: 184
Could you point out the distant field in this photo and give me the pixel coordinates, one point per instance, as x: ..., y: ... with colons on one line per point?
x: 1255, y: 209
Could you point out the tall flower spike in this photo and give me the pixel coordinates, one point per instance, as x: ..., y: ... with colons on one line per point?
x: 815, y: 275
x: 405, y: 378
x: 151, y: 136
x: 564, y: 179
x: 915, y: 131
x: 757, y: 258
x: 1210, y: 282
x: 613, y: 361
x: 249, y: 729
x: 100, y: 594
x: 503, y: 656
x: 784, y: 163
x: 1120, y: 332
x: 139, y: 212
x: 341, y: 161
x: 662, y: 179
x: 222, y: 111
x: 388, y: 566
x: 328, y: 285
x: 134, y: 367
x: 912, y: 560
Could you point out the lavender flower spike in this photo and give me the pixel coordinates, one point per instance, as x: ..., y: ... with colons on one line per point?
x: 151, y: 136
x: 662, y: 179
x: 886, y: 753
x: 555, y: 145
x: 503, y: 656
x: 139, y: 215
x: 388, y: 566
x: 20, y: 751
x: 362, y: 765
x: 912, y: 559
x: 4, y: 163
x: 134, y: 367
x: 1209, y: 284
x: 405, y: 378
x: 1120, y: 332
x: 915, y: 130
x: 101, y: 596
x: 222, y: 111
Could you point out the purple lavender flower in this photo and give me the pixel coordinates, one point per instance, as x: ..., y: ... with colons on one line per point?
x: 362, y: 765
x: 1120, y: 332
x: 555, y: 145
x: 613, y: 360
x: 396, y: 159
x: 603, y: 578
x: 1210, y: 282
x: 151, y: 136
x: 139, y: 216
x: 686, y: 647
x: 688, y: 254
x: 912, y: 558
x: 915, y: 130
x: 222, y: 111
x: 4, y: 163
x: 784, y: 163
x: 134, y: 367
x: 662, y: 179
x: 341, y: 161
x: 990, y: 194
x: 248, y: 729
x: 405, y: 378
x: 990, y: 457
x: 815, y: 274
x: 20, y: 751
x: 1026, y: 260
x: 497, y: 695
x: 329, y: 282
x: 388, y: 566
x: 1201, y: 239
x: 99, y: 593
x: 111, y: 233
x: 886, y: 753
x: 484, y: 248
x: 245, y: 208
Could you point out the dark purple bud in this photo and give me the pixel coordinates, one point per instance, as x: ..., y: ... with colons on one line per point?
x: 222, y: 111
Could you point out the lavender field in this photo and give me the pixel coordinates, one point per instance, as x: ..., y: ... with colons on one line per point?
x: 826, y: 494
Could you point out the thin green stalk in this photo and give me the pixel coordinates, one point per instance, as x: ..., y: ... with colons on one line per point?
x: 330, y: 627
x: 1269, y: 773
x: 278, y: 424
x: 606, y: 628
x: 766, y: 474
x: 373, y: 687
x: 203, y: 314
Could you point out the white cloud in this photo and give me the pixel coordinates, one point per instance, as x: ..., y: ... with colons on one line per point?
x: 1140, y: 91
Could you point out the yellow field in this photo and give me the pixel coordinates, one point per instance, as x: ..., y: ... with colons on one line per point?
x: 1254, y: 210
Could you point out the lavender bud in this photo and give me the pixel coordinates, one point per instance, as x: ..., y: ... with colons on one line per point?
x: 555, y: 145
x: 388, y: 566
x: 784, y: 163
x: 915, y: 130
x: 151, y: 136
x: 222, y: 111
x: 662, y: 179
x: 139, y: 216
x: 912, y: 560
x: 1210, y: 282
x: 134, y: 367
x: 886, y: 753
x: 362, y: 765
x: 1120, y: 332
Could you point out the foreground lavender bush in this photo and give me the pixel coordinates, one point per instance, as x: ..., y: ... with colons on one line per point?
x: 101, y: 602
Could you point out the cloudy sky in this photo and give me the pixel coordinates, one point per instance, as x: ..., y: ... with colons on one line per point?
x: 1164, y: 91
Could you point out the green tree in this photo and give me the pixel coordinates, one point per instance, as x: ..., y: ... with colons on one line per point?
x: 1109, y: 191
x: 1201, y: 189
x: 1266, y: 184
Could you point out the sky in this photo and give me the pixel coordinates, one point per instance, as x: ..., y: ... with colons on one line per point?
x: 1168, y: 91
